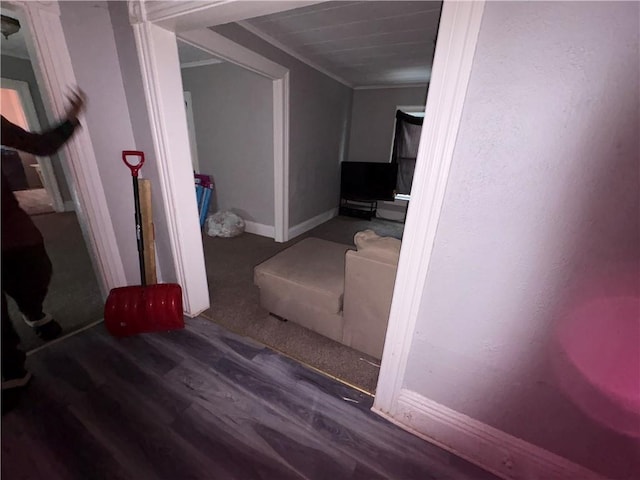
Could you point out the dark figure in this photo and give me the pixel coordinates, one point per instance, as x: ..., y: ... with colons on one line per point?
x: 26, y: 268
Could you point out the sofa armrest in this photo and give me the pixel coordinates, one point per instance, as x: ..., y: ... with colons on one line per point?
x: 368, y: 289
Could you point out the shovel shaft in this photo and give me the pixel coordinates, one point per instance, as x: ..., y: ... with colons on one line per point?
x: 139, y: 235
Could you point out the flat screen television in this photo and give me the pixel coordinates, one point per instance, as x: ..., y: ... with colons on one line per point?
x: 368, y: 180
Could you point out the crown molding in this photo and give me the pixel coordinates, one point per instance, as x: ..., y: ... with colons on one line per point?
x: 269, y: 39
x: 137, y: 11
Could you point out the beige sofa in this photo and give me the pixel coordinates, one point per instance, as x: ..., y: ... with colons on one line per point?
x: 338, y: 292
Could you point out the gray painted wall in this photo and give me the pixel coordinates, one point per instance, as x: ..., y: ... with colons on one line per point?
x: 372, y: 121
x: 92, y: 47
x: 540, y: 217
x: 233, y: 115
x: 139, y: 117
x: 319, y: 119
x: 20, y: 69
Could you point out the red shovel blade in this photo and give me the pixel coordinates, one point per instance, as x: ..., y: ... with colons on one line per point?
x: 138, y: 309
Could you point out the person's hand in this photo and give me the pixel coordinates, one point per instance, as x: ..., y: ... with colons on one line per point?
x: 77, y: 103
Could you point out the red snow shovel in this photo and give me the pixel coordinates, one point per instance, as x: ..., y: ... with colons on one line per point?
x: 144, y: 308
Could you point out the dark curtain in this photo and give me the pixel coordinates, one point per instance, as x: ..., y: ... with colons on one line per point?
x: 405, y: 149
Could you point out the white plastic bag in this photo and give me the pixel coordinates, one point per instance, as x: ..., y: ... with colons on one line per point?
x: 224, y: 224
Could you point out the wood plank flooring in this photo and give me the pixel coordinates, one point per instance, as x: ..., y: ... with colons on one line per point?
x: 201, y: 403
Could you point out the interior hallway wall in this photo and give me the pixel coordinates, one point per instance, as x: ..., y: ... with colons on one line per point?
x: 319, y: 127
x: 233, y: 115
x: 92, y: 47
x: 139, y: 118
x: 373, y: 118
x: 541, y: 216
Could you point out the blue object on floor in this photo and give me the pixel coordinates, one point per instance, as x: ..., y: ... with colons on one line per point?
x: 206, y: 200
x: 204, y: 189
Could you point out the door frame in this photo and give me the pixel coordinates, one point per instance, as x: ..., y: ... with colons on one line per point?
x: 49, y: 180
x: 162, y: 83
x: 191, y: 126
x: 455, y: 49
x: 451, y: 70
x: 54, y: 73
x: 229, y: 51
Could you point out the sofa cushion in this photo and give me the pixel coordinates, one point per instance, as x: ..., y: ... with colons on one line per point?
x: 375, y: 247
x: 312, y: 271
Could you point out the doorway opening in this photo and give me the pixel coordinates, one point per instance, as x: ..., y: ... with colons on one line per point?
x: 155, y: 30
x: 230, y: 121
x: 42, y: 188
x: 31, y: 178
x: 246, y: 297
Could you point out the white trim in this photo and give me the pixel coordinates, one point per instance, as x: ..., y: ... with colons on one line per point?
x: 225, y: 49
x: 159, y: 11
x: 160, y: 69
x: 455, y: 49
x: 307, y: 225
x: 191, y: 127
x: 52, y: 65
x: 232, y: 52
x: 281, y: 157
x: 185, y: 15
x: 269, y: 39
x: 494, y: 450
x: 384, y: 87
x: 201, y: 63
x: 259, y: 229
x: 69, y: 206
x: 46, y: 168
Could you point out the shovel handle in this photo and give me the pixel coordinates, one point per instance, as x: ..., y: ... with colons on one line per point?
x: 134, y: 167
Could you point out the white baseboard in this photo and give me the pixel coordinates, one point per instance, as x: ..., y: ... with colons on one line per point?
x: 260, y: 229
x: 69, y: 206
x: 492, y: 449
x: 312, y: 223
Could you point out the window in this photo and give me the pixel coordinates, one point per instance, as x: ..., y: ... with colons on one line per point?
x: 406, y: 139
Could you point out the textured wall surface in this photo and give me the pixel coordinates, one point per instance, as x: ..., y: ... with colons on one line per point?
x: 372, y: 120
x: 541, y: 217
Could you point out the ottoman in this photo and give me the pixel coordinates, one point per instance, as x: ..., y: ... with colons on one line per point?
x: 305, y: 284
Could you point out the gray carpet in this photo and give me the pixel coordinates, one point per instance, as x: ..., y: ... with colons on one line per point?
x: 74, y: 297
x: 235, y: 300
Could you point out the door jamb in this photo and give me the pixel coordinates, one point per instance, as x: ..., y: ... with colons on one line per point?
x: 52, y: 66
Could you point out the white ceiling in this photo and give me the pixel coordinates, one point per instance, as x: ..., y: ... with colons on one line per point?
x: 362, y: 43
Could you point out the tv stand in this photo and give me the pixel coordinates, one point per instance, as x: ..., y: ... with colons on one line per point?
x: 366, y: 209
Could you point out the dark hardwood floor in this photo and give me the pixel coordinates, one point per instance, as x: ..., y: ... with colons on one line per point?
x: 201, y: 403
